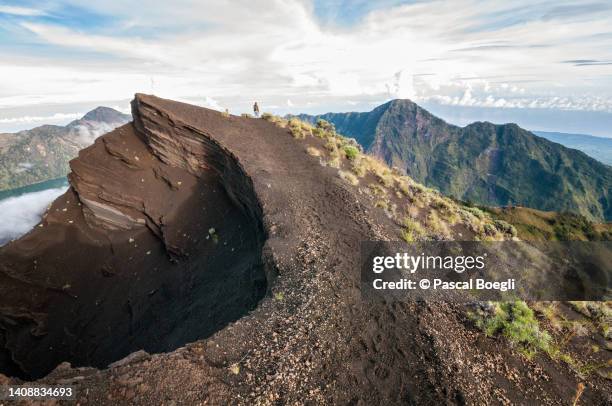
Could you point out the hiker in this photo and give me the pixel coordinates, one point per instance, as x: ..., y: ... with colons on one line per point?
x: 256, y: 109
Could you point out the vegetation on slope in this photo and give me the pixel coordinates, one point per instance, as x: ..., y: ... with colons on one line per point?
x: 539, y: 225
x: 43, y: 153
x: 517, y: 322
x: 39, y: 155
x: 599, y: 148
x: 425, y: 214
x: 421, y: 213
x: 488, y: 164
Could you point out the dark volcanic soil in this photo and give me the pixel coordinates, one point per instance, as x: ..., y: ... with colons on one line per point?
x: 311, y: 340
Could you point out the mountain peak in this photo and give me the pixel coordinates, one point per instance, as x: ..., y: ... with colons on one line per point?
x: 106, y: 115
x: 64, y: 141
x: 491, y: 164
x: 398, y: 103
x: 404, y: 102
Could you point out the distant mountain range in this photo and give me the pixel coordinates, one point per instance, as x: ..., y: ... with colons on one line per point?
x: 43, y: 153
x: 484, y: 163
x: 597, y: 147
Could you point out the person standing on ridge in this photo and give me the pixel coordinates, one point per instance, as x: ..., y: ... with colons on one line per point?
x: 256, y: 109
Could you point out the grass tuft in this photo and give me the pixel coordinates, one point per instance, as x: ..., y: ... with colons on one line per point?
x: 359, y: 167
x: 516, y: 321
x: 312, y: 151
x: 412, y: 230
x: 349, y: 177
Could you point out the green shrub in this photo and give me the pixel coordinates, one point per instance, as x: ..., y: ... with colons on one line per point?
x: 267, y: 116
x: 351, y: 152
x: 505, y: 227
x: 516, y: 321
x: 489, y: 230
x: 476, y: 212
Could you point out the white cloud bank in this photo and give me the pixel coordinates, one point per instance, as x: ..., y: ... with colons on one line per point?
x: 57, y: 117
x: 19, y: 214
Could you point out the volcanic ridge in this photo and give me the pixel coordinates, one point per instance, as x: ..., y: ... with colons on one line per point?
x: 200, y: 257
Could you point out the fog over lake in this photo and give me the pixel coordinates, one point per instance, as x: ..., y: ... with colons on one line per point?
x: 18, y: 214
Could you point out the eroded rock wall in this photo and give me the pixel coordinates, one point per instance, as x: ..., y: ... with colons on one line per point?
x: 157, y: 243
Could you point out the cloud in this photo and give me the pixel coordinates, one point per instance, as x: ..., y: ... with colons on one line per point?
x: 577, y: 10
x: 21, y: 11
x: 402, y: 86
x: 550, y: 103
x: 19, y: 214
x: 579, y: 61
x: 87, y: 134
x: 479, y: 92
x: 237, y: 52
x: 134, y: 48
x: 587, y: 62
x: 41, y: 119
x: 211, y: 103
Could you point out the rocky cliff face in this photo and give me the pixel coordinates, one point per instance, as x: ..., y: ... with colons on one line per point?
x: 43, y: 153
x: 136, y: 242
x: 174, y: 229
x: 484, y: 163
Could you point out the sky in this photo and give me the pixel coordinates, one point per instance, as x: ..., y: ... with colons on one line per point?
x: 546, y: 65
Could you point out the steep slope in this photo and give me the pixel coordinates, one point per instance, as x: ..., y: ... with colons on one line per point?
x: 599, y: 148
x: 177, y: 170
x: 539, y: 225
x: 360, y: 126
x: 482, y: 162
x: 42, y: 153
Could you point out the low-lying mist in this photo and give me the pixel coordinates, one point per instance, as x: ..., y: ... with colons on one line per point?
x: 19, y: 214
